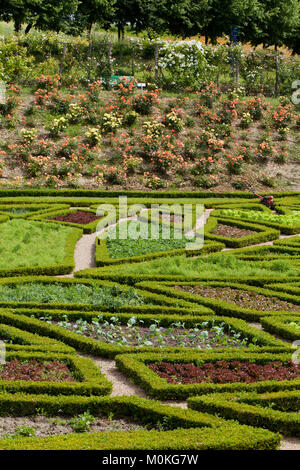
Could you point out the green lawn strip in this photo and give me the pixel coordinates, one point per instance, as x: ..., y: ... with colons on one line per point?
x: 284, y: 326
x: 136, y: 368
x: 254, y: 409
x: 220, y: 307
x: 263, y: 234
x: 34, y: 247
x: 186, y: 429
x: 89, y: 380
x: 111, y: 295
x: 40, y: 321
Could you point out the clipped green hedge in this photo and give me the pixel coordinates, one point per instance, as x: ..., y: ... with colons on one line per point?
x: 25, y: 338
x: 135, y: 367
x: 185, y: 429
x: 90, y: 381
x: 100, y: 348
x: 65, y: 267
x: 132, y: 279
x: 279, y: 325
x: 220, y: 307
x: 291, y: 241
x: 263, y: 253
x: 292, y: 288
x: 263, y: 234
x: 254, y: 409
x: 37, y: 209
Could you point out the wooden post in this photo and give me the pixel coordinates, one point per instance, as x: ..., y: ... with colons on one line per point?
x: 277, y: 75
x: 262, y: 74
x: 61, y: 65
x: 156, y: 64
x: 237, y: 74
x: 132, y: 61
x: 109, y: 52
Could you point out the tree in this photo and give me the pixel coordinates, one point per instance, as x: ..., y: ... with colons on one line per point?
x: 42, y: 14
x: 90, y: 12
x: 170, y: 15
x: 280, y: 20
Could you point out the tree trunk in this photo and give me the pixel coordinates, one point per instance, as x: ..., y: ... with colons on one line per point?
x: 28, y: 28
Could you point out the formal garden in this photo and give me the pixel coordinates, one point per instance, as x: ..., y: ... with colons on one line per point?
x: 149, y: 227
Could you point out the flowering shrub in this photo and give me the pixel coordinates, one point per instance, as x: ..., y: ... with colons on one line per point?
x: 234, y: 164
x: 255, y: 107
x: 111, y: 122
x: 58, y: 125
x: 130, y: 118
x: 94, y: 90
x: 184, y: 62
x: 173, y: 121
x: 208, y: 95
x: 227, y: 112
x: 153, y: 181
x: 28, y: 135
x: 144, y: 102
x: 246, y: 120
x: 93, y: 136
x: 115, y: 175
x: 153, y: 129
x: 12, y: 102
x: 47, y: 82
x: 282, y: 116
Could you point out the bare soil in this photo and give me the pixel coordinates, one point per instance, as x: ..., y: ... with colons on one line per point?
x: 232, y: 232
x: 243, y: 298
x: 44, y: 426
